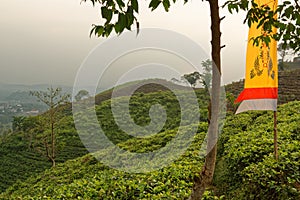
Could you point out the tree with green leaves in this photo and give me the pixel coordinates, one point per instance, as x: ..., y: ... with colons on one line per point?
x: 175, y: 80
x: 18, y: 123
x: 286, y: 18
x: 205, y: 77
x: 53, y: 98
x: 192, y: 78
x: 283, y: 52
x: 81, y: 95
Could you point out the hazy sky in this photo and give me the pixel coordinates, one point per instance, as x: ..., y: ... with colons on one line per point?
x: 45, y: 41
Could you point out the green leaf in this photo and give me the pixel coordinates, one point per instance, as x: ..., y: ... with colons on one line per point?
x: 166, y: 4
x: 92, y: 31
x: 290, y: 27
x: 230, y: 8
x: 107, y: 30
x: 135, y: 5
x: 122, y: 22
x: 249, y: 23
x: 244, y: 4
x: 117, y: 28
x: 288, y: 12
x: 130, y: 19
x: 99, y: 30
x: 298, y: 21
x: 154, y: 4
x: 106, y: 14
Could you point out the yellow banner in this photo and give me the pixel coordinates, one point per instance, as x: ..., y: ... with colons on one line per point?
x: 261, y: 61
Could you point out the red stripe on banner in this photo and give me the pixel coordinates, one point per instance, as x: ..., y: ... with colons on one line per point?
x: 257, y: 93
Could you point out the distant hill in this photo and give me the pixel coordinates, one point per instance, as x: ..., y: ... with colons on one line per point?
x: 145, y: 86
x: 9, y: 89
x: 23, y: 96
x: 289, y: 86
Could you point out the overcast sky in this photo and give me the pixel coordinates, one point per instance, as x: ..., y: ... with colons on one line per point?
x: 46, y: 41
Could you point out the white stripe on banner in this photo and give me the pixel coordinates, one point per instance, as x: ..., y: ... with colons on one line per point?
x: 257, y: 104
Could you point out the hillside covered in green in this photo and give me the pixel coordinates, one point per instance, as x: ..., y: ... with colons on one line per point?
x: 246, y: 168
x: 20, y: 158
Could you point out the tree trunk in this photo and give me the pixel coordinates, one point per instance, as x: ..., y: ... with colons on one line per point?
x: 52, y: 121
x: 52, y: 141
x: 53, y: 162
x: 204, y: 178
